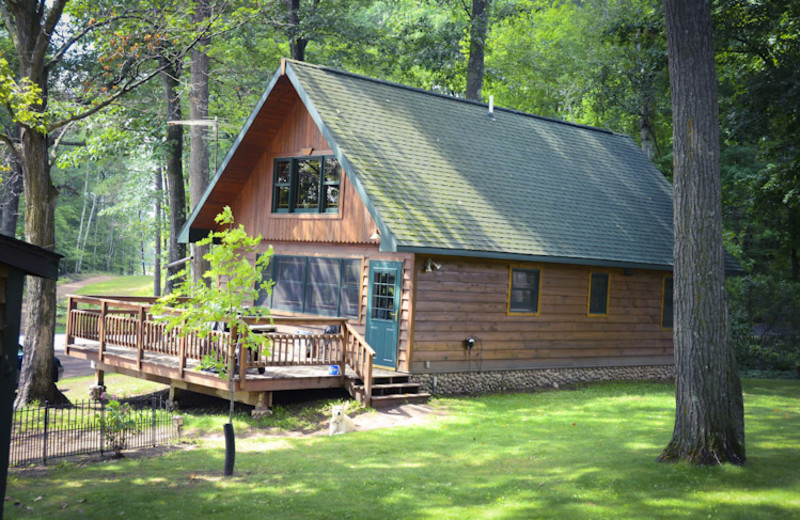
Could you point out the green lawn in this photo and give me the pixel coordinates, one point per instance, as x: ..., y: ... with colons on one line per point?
x: 134, y: 285
x: 584, y: 453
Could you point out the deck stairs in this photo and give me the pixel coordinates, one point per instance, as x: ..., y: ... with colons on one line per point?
x: 388, y: 391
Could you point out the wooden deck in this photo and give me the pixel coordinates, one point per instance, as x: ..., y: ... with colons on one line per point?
x: 120, y: 335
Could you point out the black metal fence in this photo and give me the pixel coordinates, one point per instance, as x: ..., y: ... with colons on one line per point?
x: 43, y: 433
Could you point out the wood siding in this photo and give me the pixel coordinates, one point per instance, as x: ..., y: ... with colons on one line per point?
x: 253, y: 206
x: 469, y: 298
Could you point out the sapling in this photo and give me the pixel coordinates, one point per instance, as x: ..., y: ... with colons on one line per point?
x: 234, y: 282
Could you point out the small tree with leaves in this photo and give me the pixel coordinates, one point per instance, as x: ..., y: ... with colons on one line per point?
x: 234, y: 281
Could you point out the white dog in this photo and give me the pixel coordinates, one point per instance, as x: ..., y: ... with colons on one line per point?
x: 340, y: 421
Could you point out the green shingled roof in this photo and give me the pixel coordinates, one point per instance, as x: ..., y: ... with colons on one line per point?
x: 440, y: 174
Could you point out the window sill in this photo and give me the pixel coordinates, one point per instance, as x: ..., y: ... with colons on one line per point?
x: 307, y: 216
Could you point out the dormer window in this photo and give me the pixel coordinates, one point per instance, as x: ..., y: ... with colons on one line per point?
x: 306, y: 185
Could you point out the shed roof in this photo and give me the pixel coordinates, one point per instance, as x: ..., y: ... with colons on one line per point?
x: 440, y: 174
x: 28, y: 258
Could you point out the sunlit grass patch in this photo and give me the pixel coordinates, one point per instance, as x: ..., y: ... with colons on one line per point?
x: 587, y: 452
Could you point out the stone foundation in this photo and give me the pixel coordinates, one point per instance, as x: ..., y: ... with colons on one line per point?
x: 460, y: 383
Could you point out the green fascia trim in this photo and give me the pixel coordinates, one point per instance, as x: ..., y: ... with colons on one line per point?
x: 516, y: 257
x: 730, y: 270
x: 184, y: 236
x: 388, y: 242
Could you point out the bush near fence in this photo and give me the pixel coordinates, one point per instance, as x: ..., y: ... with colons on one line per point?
x: 40, y: 434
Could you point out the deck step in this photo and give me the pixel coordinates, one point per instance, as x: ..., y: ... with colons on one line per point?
x: 387, y: 394
x: 388, y: 401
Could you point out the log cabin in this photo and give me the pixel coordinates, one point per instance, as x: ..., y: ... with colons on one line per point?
x: 476, y: 248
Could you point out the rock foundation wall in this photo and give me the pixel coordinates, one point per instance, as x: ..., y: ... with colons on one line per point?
x: 459, y: 383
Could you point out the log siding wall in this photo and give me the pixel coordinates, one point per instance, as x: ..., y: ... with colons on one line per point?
x: 469, y: 298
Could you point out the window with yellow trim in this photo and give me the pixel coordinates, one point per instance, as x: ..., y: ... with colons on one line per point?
x: 598, y: 294
x: 666, y: 303
x: 523, y: 292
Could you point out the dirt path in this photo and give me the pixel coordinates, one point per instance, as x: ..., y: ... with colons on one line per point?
x: 65, y: 289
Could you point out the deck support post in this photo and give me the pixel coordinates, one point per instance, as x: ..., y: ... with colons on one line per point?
x: 174, y: 393
x: 263, y: 405
x: 99, y: 387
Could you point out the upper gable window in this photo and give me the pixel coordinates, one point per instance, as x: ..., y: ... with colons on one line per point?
x: 306, y: 185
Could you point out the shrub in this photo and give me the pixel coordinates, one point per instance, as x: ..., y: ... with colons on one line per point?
x: 765, y: 322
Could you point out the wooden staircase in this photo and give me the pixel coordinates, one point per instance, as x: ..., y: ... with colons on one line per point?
x: 388, y: 391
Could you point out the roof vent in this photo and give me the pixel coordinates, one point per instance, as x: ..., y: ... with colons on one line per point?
x: 491, y: 105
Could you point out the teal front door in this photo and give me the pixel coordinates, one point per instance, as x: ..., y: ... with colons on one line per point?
x: 383, y: 311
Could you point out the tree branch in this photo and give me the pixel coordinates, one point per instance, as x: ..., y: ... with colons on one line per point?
x: 43, y: 40
x: 11, y: 146
x: 58, y: 139
x: 10, y: 24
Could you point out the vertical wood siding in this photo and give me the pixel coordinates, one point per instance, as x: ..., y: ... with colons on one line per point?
x: 469, y: 298
x: 353, y: 223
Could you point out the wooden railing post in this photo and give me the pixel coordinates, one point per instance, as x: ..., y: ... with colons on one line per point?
x: 70, y: 336
x: 101, y: 330
x: 368, y: 379
x: 345, y: 340
x: 343, y: 353
x: 242, y: 364
x: 182, y: 353
x: 140, y: 337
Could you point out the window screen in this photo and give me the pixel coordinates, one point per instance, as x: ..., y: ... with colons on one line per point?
x: 598, y: 294
x: 323, y: 286
x: 666, y: 304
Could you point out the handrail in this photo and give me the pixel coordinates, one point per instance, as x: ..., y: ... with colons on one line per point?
x: 360, y: 356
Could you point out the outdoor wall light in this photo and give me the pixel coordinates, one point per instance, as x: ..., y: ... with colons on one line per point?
x: 430, y: 265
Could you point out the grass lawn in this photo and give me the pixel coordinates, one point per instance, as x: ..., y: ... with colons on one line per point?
x: 583, y: 453
x: 134, y: 285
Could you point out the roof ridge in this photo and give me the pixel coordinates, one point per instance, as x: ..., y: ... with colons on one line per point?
x: 448, y: 97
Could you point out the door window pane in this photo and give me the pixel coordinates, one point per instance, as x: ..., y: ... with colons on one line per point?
x: 383, y: 295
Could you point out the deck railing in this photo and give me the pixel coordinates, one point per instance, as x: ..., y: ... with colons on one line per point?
x: 359, y: 355
x: 128, y: 323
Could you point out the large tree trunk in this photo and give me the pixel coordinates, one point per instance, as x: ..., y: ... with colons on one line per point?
x: 175, y: 187
x: 36, y: 381
x: 709, y: 416
x: 297, y: 43
x: 198, y: 153
x: 33, y: 31
x: 157, y: 246
x: 479, y: 25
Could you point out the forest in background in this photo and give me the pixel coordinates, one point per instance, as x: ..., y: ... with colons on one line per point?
x: 596, y: 62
